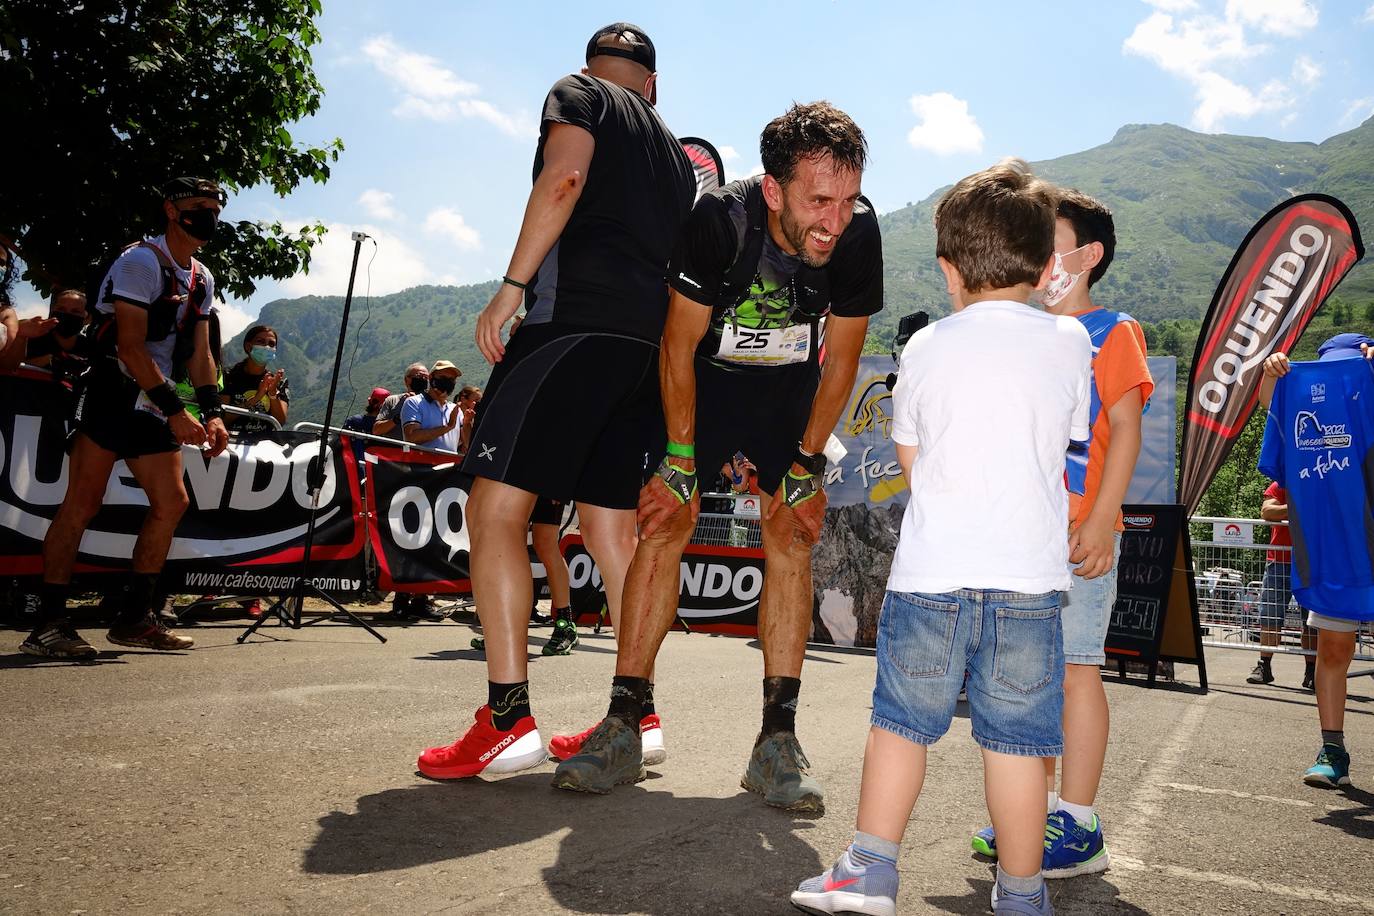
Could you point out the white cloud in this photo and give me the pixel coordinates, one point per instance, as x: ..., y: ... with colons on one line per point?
x: 1306, y: 72
x: 1357, y: 111
x: 1368, y: 16
x: 1173, y: 6
x: 1206, y: 50
x: 449, y: 223
x: 432, y: 91
x: 378, y: 204
x: 728, y: 153
x: 232, y: 318
x: 946, y: 127
x: 396, y: 266
x: 1277, y: 17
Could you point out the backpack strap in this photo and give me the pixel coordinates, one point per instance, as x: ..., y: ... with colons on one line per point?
x: 749, y: 229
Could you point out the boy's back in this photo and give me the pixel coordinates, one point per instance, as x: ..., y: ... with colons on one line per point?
x: 990, y: 397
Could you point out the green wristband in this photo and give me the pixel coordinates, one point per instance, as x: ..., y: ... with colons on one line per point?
x: 682, y: 449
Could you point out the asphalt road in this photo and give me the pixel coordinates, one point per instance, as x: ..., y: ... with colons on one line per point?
x: 278, y: 777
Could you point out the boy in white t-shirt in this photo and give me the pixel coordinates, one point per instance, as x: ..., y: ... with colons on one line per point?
x: 986, y: 403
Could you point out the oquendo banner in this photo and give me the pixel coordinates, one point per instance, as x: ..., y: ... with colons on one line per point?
x: 243, y: 533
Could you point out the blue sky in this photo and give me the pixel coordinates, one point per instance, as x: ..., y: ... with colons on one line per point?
x: 437, y: 102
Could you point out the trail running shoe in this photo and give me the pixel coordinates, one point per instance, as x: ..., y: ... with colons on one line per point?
x: 147, y: 633
x: 485, y: 748
x: 1332, y: 768
x: 479, y: 643
x: 778, y: 770
x: 563, y: 640
x: 848, y: 888
x: 539, y: 620
x: 650, y: 738
x: 985, y: 842
x: 1309, y: 679
x: 58, y: 639
x: 1072, y: 849
x: 1262, y: 674
x: 611, y: 756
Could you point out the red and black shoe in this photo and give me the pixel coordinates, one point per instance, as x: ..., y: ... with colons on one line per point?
x: 485, y: 748
x: 650, y: 737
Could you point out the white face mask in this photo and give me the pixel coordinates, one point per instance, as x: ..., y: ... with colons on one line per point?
x: 1061, y: 282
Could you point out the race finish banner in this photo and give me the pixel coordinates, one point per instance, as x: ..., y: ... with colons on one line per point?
x: 242, y: 534
x: 1284, y: 270
x: 418, y: 522
x: 719, y: 586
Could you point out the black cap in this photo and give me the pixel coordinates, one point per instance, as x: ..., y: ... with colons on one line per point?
x: 178, y: 188
x: 641, y: 49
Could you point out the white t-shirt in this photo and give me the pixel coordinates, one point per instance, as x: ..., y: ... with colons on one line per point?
x: 990, y: 396
x: 136, y: 276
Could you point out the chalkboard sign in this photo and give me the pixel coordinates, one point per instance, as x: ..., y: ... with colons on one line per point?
x: 1155, y: 616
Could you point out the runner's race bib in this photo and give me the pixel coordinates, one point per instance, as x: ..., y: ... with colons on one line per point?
x: 764, y: 346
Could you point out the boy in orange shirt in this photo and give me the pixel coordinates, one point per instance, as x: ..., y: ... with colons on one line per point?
x: 1098, y: 476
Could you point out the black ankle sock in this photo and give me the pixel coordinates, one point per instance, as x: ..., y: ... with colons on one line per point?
x: 780, y: 704
x: 138, y: 597
x: 52, y: 602
x: 1337, y: 738
x: 563, y: 613
x: 648, y: 708
x: 628, y: 695
x: 509, y: 703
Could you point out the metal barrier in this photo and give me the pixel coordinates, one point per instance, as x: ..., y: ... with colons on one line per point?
x: 738, y: 527
x: 306, y: 426
x: 1228, y: 573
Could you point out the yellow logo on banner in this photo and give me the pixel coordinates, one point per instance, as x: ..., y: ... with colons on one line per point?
x: 868, y: 413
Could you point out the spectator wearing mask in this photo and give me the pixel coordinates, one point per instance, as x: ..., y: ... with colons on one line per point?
x: 388, y: 423
x: 366, y: 421
x: 252, y: 385
x: 432, y: 419
x: 68, y: 308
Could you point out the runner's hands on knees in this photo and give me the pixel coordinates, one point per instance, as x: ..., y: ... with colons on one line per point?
x: 805, y: 495
x: 1276, y: 365
x: 186, y: 429
x: 1092, y: 545
x: 493, y: 318
x: 216, y: 437
x: 660, y: 500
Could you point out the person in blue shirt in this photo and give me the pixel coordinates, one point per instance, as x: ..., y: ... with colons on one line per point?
x: 1319, y: 443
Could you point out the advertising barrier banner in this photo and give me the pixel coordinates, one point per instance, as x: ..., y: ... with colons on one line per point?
x: 418, y: 525
x: 243, y: 533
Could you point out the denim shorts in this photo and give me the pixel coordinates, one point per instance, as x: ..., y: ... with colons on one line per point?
x: 1276, y: 588
x: 1087, y: 611
x: 1012, y: 648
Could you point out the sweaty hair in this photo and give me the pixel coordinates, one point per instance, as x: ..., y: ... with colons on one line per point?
x: 254, y: 331
x: 1092, y: 222
x: 997, y: 226
x: 807, y: 132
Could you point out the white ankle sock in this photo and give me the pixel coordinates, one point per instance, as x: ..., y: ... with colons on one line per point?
x: 1052, y: 802
x: 1081, y: 813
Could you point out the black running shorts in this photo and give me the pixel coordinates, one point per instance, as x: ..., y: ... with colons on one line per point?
x: 547, y: 512
x: 571, y: 414
x: 760, y: 412
x: 107, y: 416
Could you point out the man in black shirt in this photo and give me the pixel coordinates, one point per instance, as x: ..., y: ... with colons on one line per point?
x: 766, y: 273
x: 572, y: 406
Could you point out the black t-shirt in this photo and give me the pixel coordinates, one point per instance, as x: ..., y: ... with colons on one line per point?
x: 776, y: 322
x: 607, y: 268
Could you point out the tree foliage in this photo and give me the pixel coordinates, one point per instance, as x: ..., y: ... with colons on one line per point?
x: 117, y: 97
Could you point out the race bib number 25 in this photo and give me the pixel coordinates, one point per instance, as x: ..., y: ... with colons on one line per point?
x: 765, y: 346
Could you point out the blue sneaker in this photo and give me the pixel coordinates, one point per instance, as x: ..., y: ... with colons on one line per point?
x: 1332, y: 768
x: 985, y: 842
x: 1072, y: 849
x: 848, y: 888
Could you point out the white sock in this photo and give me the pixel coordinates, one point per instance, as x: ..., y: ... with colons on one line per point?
x: 1052, y: 803
x: 1081, y: 813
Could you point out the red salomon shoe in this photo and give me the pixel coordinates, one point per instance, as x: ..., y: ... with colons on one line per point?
x: 485, y: 747
x: 650, y: 737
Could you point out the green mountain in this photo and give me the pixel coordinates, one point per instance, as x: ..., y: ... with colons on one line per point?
x: 1183, y: 202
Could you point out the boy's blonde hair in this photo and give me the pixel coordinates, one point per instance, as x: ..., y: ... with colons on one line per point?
x: 997, y: 226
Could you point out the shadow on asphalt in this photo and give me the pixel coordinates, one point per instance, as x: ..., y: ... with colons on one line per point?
x: 640, y: 851
x: 106, y: 657
x: 1093, y: 893
x: 1356, y: 821
x: 1305, y: 699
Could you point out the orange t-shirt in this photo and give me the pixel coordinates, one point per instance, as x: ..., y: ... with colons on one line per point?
x: 1118, y: 367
